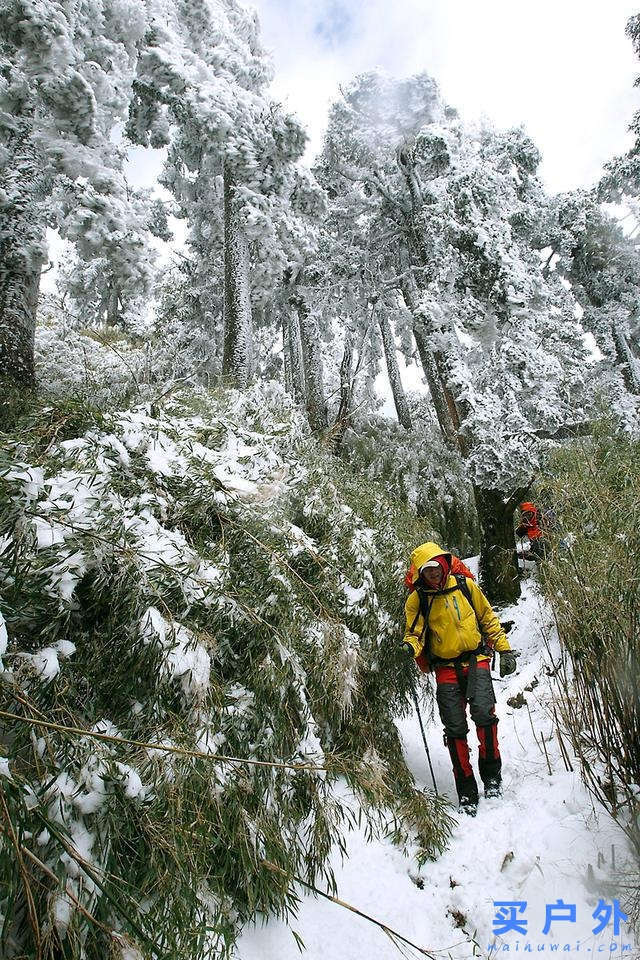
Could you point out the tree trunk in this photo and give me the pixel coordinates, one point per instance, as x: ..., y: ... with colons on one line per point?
x: 314, y: 378
x: 236, y: 358
x: 445, y: 411
x: 113, y: 307
x: 499, y: 577
x: 627, y: 361
x: 393, y: 370
x: 286, y: 355
x: 22, y: 253
x: 450, y: 410
x: 430, y: 366
x: 346, y: 390
x: 498, y: 561
x: 297, y: 361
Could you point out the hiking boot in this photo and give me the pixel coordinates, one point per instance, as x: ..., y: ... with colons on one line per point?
x: 493, y: 787
x: 467, y: 795
x: 468, y: 805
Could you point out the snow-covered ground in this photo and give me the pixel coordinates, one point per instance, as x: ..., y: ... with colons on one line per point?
x: 540, y: 843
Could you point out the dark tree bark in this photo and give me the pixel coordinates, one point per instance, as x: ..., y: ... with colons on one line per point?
x: 22, y: 253
x: 499, y: 576
x: 346, y: 390
x: 395, y: 381
x: 297, y: 360
x: 316, y: 403
x: 236, y: 358
x: 113, y: 307
x: 286, y: 355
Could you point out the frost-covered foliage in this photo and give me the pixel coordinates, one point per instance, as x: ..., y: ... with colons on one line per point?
x: 592, y: 579
x: 200, y: 90
x: 66, y: 70
x: 188, y: 316
x: 334, y: 293
x: 622, y: 175
x: 194, y: 575
x: 416, y: 467
x: 600, y: 260
x: 109, y: 275
x: 111, y: 368
x: 454, y: 216
x: 104, y: 367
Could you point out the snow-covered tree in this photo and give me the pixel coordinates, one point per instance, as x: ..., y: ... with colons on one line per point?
x: 602, y: 263
x: 200, y: 89
x: 601, y: 257
x: 622, y: 174
x: 499, y: 344
x: 359, y: 169
x: 110, y: 279
x: 338, y: 283
x: 22, y: 250
x: 188, y: 314
x: 65, y: 80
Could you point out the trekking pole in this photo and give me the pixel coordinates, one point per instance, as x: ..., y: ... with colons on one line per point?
x: 424, y: 738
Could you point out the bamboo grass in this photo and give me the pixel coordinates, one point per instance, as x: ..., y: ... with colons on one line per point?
x: 296, y: 670
x: 163, y: 748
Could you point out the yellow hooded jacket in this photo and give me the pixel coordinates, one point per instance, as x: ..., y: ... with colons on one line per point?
x: 453, y: 622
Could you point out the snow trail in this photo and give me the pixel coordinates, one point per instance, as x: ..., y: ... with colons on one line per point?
x: 540, y: 843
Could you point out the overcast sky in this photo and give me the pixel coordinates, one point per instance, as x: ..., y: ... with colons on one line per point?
x: 563, y: 68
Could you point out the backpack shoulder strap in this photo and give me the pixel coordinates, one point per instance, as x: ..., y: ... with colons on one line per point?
x: 423, y: 609
x: 463, y: 586
x: 466, y: 592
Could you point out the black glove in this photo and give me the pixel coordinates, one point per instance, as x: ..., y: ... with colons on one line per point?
x: 507, y: 662
x: 408, y: 649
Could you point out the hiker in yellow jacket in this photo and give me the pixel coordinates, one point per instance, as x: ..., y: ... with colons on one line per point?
x: 452, y: 630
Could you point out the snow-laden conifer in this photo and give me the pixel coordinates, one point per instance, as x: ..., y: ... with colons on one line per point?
x: 499, y: 343
x: 600, y: 260
x: 67, y: 70
x: 200, y: 89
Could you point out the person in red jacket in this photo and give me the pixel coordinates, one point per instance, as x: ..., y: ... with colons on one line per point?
x: 530, y: 527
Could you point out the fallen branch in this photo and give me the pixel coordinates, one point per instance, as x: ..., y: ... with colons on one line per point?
x: 180, y: 751
x: 391, y: 933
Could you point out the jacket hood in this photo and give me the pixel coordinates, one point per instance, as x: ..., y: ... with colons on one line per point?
x: 424, y: 553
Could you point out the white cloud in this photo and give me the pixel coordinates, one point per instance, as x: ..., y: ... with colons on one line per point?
x: 564, y: 68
